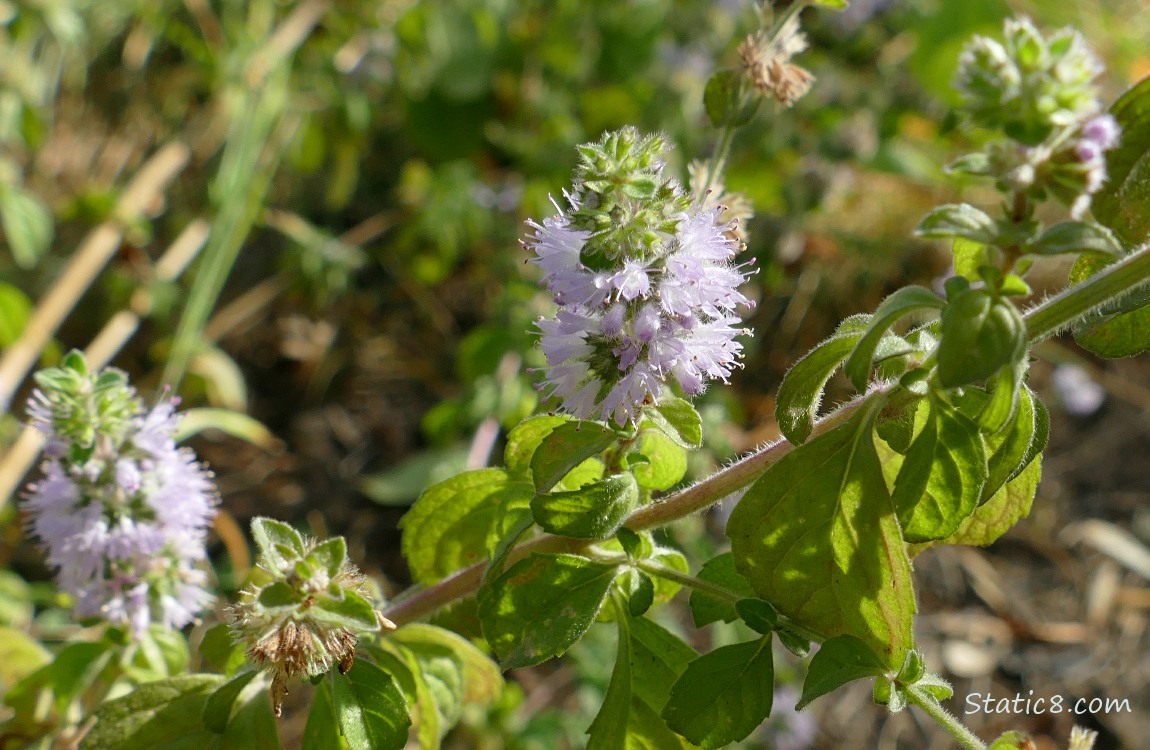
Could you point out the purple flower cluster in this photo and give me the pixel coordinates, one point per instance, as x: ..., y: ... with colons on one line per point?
x: 628, y: 326
x: 124, y: 522
x: 1097, y: 136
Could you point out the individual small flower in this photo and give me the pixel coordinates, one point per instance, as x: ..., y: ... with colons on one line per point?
x: 766, y: 58
x: 122, y: 511
x: 1085, y: 174
x: 304, y: 610
x: 636, y: 317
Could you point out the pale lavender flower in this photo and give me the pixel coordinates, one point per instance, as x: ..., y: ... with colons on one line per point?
x: 125, y: 521
x: 622, y: 333
x: 1097, y: 136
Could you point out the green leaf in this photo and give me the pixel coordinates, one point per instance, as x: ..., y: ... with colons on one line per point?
x: 637, y: 546
x: 234, y: 423
x: 656, y: 660
x: 838, y: 661
x: 252, y: 725
x: 27, y: 224
x: 15, y: 307
x: 456, y: 523
x: 758, y: 615
x: 997, y: 515
x: 658, y: 657
x: 165, y: 713
x: 441, y: 673
x: 798, y: 645
x: 935, y: 686
x: 1041, y: 435
x: 330, y: 554
x: 1076, y: 237
x: 218, y: 708
x: 609, y: 729
x: 322, y: 729
x: 665, y: 588
x: 642, y: 593
x: 279, y: 596
x: 427, y: 718
x: 720, y: 570
x: 833, y: 4
x: 728, y: 100
x: 352, y: 611
x: 801, y: 392
x: 524, y: 439
x: 941, y: 479
x: 542, y: 605
x: 370, y: 708
x: 979, y: 336
x: 75, y: 668
x: 666, y: 462
x: 270, y: 534
x: 564, y: 448
x: 723, y: 695
x: 898, y: 305
x: 20, y: 656
x: 482, y: 680
x: 1121, y: 202
x: 593, y: 512
x: 816, y: 536
x: 221, y: 652
x: 1124, y: 329
x: 957, y: 220
x: 679, y: 420
x: 1011, y: 446
x: 969, y: 256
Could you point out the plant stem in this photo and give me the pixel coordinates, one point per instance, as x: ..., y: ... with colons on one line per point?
x: 422, y: 602
x: 666, y: 572
x: 944, y: 718
x: 656, y: 568
x: 1042, y: 321
x: 1086, y: 296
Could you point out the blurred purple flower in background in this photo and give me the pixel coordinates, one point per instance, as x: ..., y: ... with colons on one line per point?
x: 122, y: 511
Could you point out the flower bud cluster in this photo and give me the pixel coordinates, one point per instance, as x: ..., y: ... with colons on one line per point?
x: 1028, y: 85
x: 644, y: 281
x: 122, y: 511
x: 303, y: 608
x: 1040, y: 93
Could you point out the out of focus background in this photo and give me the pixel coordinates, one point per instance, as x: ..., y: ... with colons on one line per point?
x: 309, y: 214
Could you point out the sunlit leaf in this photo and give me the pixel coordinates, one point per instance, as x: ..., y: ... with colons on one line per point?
x: 816, y: 536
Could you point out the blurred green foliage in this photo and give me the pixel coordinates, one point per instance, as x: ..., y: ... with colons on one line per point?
x: 406, y: 142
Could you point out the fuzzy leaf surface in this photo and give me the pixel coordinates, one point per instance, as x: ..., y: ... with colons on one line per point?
x: 801, y: 391
x: 941, y: 479
x: 370, y: 708
x: 595, y: 511
x: 838, y: 661
x: 541, y: 605
x: 723, y: 695
x: 816, y: 536
x: 455, y: 523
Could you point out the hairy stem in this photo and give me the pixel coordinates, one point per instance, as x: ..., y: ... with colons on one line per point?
x: 948, y: 721
x: 1112, y: 282
x: 1042, y: 322
x: 656, y: 568
x: 422, y: 602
